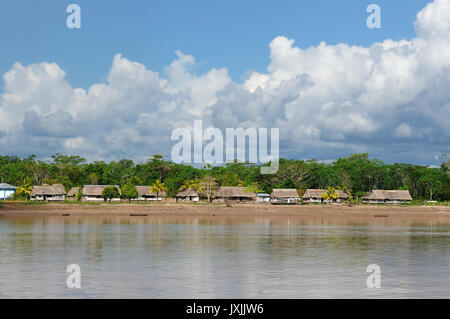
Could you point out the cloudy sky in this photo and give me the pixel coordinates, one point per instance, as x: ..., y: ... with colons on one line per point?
x: 136, y: 70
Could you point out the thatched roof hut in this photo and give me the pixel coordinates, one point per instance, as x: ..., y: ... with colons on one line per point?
x: 232, y: 193
x: 284, y: 193
x: 284, y: 196
x: 317, y: 193
x: 73, y: 192
x: 315, y: 196
x: 48, y: 190
x: 144, y: 191
x: 187, y: 193
x: 387, y: 196
x: 97, y: 190
x: 55, y: 192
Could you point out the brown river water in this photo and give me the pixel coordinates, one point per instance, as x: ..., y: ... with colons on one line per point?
x: 222, y: 257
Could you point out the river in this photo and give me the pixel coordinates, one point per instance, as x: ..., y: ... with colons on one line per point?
x: 221, y: 257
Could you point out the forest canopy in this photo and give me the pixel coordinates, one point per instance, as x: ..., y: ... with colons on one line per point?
x: 358, y: 172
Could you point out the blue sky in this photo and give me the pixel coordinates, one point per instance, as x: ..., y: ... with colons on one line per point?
x: 234, y: 34
x: 137, y: 70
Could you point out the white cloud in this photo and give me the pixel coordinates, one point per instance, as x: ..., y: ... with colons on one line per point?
x: 327, y: 100
x: 403, y: 131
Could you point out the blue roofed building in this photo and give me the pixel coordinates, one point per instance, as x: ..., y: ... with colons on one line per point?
x: 6, y: 191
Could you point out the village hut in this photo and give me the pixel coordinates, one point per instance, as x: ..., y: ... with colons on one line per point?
x: 48, y: 193
x: 284, y: 196
x: 146, y: 196
x: 387, y: 197
x: 93, y: 193
x: 187, y: 195
x: 72, y: 194
x: 6, y: 191
x: 234, y: 194
x: 315, y: 196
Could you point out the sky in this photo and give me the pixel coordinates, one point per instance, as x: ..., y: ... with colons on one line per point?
x: 135, y: 70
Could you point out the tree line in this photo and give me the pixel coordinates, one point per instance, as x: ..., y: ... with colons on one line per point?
x: 357, y: 173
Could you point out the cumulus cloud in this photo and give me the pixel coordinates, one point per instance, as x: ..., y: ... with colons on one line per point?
x: 390, y: 99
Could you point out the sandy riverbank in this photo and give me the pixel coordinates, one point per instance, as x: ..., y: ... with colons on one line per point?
x: 238, y: 210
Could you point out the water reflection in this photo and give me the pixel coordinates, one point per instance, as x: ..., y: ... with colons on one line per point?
x: 220, y: 257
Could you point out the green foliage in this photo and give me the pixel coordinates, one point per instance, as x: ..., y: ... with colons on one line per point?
x: 129, y: 191
x: 330, y: 195
x: 24, y: 190
x: 110, y: 193
x: 79, y: 195
x: 194, y: 184
x: 357, y: 173
x: 158, y: 187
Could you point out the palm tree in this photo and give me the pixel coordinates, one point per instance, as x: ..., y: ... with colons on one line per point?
x: 347, y: 191
x: 158, y: 188
x: 194, y: 184
x: 331, y: 194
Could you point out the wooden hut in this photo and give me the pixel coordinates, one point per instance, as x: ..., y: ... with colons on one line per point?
x: 234, y: 194
x: 187, y: 195
x: 48, y: 193
x: 72, y: 194
x: 93, y: 193
x: 146, y: 196
x: 284, y: 196
x: 387, y: 197
x: 315, y: 196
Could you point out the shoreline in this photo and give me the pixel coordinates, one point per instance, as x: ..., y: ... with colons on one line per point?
x: 236, y: 210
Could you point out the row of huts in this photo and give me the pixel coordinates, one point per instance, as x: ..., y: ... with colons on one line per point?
x: 89, y: 193
x: 93, y: 193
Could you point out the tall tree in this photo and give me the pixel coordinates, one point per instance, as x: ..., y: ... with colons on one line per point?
x: 129, y: 191
x: 209, y: 186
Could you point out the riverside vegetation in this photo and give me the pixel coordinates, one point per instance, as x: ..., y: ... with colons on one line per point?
x: 357, y: 173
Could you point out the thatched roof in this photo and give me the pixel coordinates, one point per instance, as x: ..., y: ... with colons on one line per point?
x: 317, y: 193
x: 230, y: 191
x: 73, y: 192
x: 7, y: 186
x: 145, y: 191
x: 55, y: 189
x: 284, y: 193
x: 388, y: 195
x: 96, y: 190
x: 189, y: 192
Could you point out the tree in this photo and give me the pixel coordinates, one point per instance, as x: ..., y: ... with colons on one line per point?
x: 93, y: 179
x: 446, y: 167
x: 194, y: 184
x: 39, y: 171
x: 209, y: 186
x: 158, y: 188
x: 331, y: 194
x: 431, y: 181
x: 297, y: 171
x: 232, y: 179
x: 253, y: 188
x: 129, y: 191
x: 24, y: 190
x: 79, y: 194
x: 110, y: 192
x: 347, y: 191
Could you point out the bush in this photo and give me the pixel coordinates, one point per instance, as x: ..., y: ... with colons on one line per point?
x: 110, y: 193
